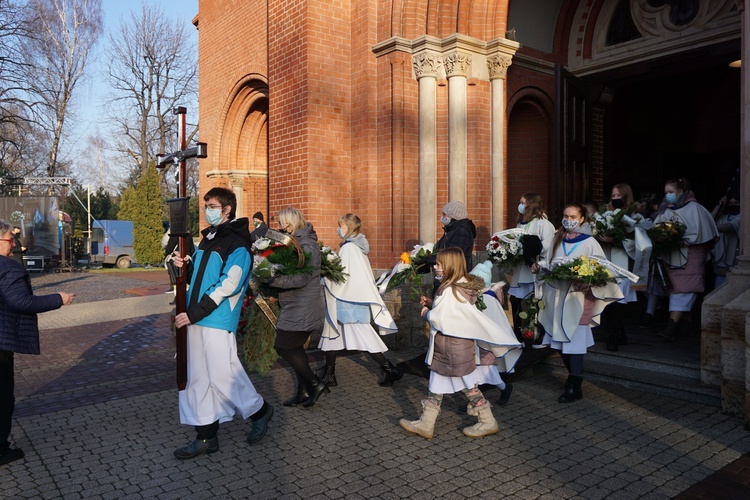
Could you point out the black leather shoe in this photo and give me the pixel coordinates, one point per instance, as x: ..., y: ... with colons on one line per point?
x: 505, y: 394
x: 392, y: 374
x: 198, y: 447
x: 299, y: 398
x: 316, y: 389
x: 328, y: 375
x: 573, y: 390
x: 260, y: 427
x: 9, y: 455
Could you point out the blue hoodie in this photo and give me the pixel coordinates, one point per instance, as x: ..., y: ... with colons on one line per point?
x: 220, y: 272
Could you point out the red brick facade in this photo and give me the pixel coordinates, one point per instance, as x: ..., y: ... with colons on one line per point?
x: 298, y: 109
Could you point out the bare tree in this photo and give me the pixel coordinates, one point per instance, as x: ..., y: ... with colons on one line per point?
x: 153, y: 68
x: 64, y: 33
x: 14, y: 109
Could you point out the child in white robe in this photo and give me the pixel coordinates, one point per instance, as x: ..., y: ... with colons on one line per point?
x: 457, y: 331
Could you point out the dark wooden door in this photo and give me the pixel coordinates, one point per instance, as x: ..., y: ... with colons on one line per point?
x: 573, y: 124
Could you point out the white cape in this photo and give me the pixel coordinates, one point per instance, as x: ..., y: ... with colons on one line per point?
x: 360, y: 288
x: 564, y: 306
x: 453, y: 318
x: 700, y: 228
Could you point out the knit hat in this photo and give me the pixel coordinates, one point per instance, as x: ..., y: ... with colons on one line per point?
x: 484, y: 271
x: 455, y: 210
x: 258, y: 215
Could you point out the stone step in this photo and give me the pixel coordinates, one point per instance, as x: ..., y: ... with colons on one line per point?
x: 667, y: 379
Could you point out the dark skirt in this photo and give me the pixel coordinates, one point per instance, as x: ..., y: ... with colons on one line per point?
x: 286, y: 339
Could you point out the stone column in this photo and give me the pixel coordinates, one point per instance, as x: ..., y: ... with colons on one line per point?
x: 457, y: 68
x: 236, y: 181
x: 498, y: 69
x: 426, y: 68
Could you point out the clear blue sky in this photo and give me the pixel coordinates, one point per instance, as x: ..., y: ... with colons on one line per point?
x: 92, y: 93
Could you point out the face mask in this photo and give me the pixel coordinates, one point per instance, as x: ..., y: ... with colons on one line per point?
x: 445, y: 220
x: 616, y: 203
x: 733, y: 209
x: 213, y: 216
x: 340, y: 232
x: 670, y: 197
x: 521, y: 208
x: 570, y: 224
x: 256, y: 223
x: 439, y: 277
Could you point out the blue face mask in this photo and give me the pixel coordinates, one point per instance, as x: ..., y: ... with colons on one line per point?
x: 213, y: 216
x: 445, y: 220
x: 670, y: 197
x: 521, y: 208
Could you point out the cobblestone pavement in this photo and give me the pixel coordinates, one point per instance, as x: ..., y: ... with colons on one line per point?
x: 97, y: 417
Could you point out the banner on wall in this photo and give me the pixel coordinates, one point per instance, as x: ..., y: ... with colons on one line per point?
x: 38, y: 217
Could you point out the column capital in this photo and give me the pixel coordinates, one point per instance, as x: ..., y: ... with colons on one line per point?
x: 426, y: 64
x: 457, y: 64
x: 498, y: 65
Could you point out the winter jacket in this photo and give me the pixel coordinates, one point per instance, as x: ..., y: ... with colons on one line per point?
x: 301, y: 295
x: 458, y: 233
x: 19, y: 330
x: 219, y: 275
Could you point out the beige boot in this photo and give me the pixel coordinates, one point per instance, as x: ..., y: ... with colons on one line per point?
x: 425, y: 426
x: 487, y: 424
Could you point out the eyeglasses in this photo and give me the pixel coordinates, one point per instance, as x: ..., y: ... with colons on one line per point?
x: 207, y: 207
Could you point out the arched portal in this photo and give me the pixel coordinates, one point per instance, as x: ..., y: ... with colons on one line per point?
x: 243, y: 146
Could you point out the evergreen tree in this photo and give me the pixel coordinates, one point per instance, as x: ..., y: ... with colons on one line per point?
x: 144, y: 205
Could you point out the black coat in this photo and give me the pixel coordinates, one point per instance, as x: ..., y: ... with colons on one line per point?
x: 19, y: 329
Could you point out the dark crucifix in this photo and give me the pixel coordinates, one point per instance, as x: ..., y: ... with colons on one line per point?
x: 178, y: 226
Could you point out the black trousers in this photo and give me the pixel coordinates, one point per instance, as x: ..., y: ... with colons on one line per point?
x: 7, y: 398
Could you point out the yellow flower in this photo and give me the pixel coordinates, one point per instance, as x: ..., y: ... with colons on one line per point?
x: 406, y: 258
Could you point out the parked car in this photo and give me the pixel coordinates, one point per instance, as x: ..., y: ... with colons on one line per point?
x: 112, y: 243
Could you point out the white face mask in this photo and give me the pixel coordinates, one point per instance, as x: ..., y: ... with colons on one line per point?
x: 213, y: 216
x: 445, y: 220
x: 521, y: 208
x: 570, y: 224
x: 340, y: 232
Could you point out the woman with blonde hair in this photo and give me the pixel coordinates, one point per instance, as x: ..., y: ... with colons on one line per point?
x: 459, y: 333
x: 353, y: 305
x: 301, y: 309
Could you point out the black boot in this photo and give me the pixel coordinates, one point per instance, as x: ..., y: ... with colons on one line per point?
x: 299, y: 398
x: 315, y: 390
x: 612, y: 340
x: 670, y: 332
x: 392, y: 374
x: 622, y: 339
x: 572, y: 389
x: 328, y: 375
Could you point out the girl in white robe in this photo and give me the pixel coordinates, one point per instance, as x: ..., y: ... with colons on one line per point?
x: 570, y: 309
x: 457, y: 332
x: 533, y: 221
x: 351, y: 307
x: 686, y: 266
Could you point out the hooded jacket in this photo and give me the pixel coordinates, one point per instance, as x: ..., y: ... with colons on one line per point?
x: 301, y: 295
x: 19, y: 329
x: 219, y: 275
